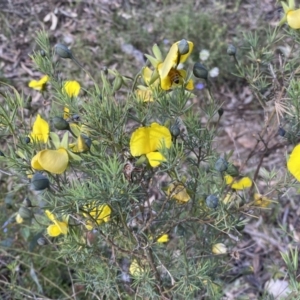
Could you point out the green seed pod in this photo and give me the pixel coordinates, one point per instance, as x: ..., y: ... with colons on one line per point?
x: 42, y: 241
x: 200, y: 71
x: 221, y: 165
x: 1, y: 153
x: 175, y: 130
x: 87, y: 140
x: 27, y: 202
x: 212, y: 201
x: 42, y: 53
x: 183, y: 47
x: 39, y: 182
x: 25, y: 212
x: 63, y: 51
x: 220, y: 112
x: 232, y: 170
x: 27, y: 140
x: 60, y: 124
x: 281, y: 131
x: 231, y: 50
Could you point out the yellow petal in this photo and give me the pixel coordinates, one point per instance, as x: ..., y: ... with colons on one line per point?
x: 155, y: 158
x: 171, y: 61
x: 184, y: 57
x: 144, y: 95
x: 50, y: 215
x: 66, y: 113
x: 190, y: 85
x: 39, y: 84
x: 148, y: 139
x: 178, y: 192
x: 293, y: 18
x: 163, y: 238
x: 54, y: 161
x: 241, y: 184
x: 40, y: 130
x: 72, y: 88
x: 219, y: 248
x: 19, y: 219
x: 62, y: 226
x: 147, y: 74
x: 293, y: 163
x: 261, y: 201
x: 35, y: 162
x: 228, y: 179
x: 135, y: 269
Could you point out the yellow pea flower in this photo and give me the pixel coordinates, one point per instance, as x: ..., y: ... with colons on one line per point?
x: 291, y: 15
x: 54, y: 161
x: 58, y: 227
x: 100, y: 214
x: 71, y: 88
x: 178, y: 192
x: 135, y: 269
x: 163, y: 238
x: 261, y: 201
x: 239, y: 184
x: 148, y: 141
x: 40, y: 130
x: 39, y: 85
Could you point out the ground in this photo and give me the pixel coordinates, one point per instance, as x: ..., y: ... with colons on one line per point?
x: 116, y: 34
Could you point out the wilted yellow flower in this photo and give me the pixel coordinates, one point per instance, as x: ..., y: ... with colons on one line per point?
x: 219, y: 248
x: 239, y: 184
x: 19, y: 219
x: 54, y: 161
x: 178, y: 192
x: 293, y: 163
x: 135, y: 269
x: 59, y: 227
x: 261, y: 201
x: 40, y: 130
x: 39, y: 84
x: 83, y: 144
x: 72, y: 88
x: 291, y: 15
x: 149, y: 140
x: 100, y: 214
x: 229, y: 197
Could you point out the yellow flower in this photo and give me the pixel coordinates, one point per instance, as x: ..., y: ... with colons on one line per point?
x: 293, y: 163
x: 39, y: 84
x: 291, y: 15
x: 59, y: 227
x: 168, y: 72
x: 149, y: 140
x: 261, y: 201
x: 83, y: 144
x: 163, y: 238
x: 40, y: 130
x: 219, y: 248
x: 135, y: 269
x: 240, y: 184
x: 178, y: 192
x: 100, y: 214
x: 19, y: 219
x: 72, y: 88
x: 229, y: 197
x: 54, y: 161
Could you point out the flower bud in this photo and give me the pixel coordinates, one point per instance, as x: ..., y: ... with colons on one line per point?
x: 1, y: 153
x: 220, y: 112
x: 60, y: 124
x: 200, y: 71
x: 25, y: 212
x: 221, y: 165
x: 183, y: 47
x: 42, y: 241
x: 39, y: 182
x: 231, y: 50
x: 281, y: 131
x: 63, y: 51
x: 27, y: 202
x: 27, y: 140
x: 118, y: 82
x: 42, y: 53
x: 212, y: 201
x: 175, y: 130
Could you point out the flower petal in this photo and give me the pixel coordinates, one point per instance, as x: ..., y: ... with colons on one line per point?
x: 40, y: 130
x: 54, y: 161
x: 163, y: 238
x: 171, y: 61
x: 178, y: 192
x: 241, y: 184
x: 293, y: 18
x: 39, y: 84
x: 155, y: 158
x: 50, y: 215
x: 293, y: 163
x: 72, y: 88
